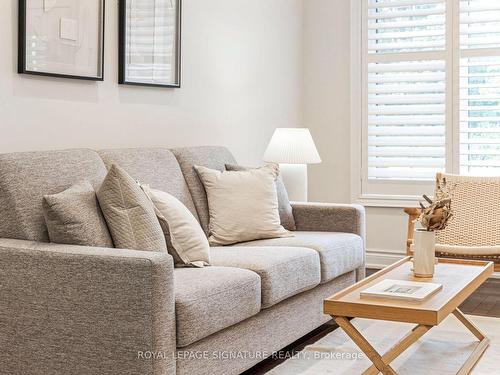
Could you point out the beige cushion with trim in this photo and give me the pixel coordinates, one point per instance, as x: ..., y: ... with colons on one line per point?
x: 243, y: 205
x: 284, y: 206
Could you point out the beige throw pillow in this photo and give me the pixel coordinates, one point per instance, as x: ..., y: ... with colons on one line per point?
x: 243, y: 205
x: 73, y: 217
x: 129, y: 213
x: 181, y: 229
x: 284, y: 206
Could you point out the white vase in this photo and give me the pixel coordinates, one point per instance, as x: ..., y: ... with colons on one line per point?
x: 424, y: 257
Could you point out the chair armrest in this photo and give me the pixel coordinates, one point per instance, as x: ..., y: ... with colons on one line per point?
x: 329, y: 217
x: 84, y: 310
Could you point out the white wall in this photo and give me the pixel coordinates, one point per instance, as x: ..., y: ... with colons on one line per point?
x: 327, y: 112
x: 248, y: 67
x: 326, y: 95
x: 242, y: 77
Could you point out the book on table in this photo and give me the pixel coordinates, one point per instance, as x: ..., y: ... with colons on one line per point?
x: 401, y: 290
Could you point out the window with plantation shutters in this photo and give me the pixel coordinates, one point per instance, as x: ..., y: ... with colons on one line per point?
x: 430, y: 94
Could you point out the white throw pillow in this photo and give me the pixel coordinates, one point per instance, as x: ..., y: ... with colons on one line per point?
x: 243, y: 205
x: 186, y: 236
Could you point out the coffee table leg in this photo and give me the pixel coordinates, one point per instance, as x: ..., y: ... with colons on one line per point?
x: 364, y: 345
x: 480, y: 347
x: 381, y: 363
x: 470, y: 326
x: 403, y: 344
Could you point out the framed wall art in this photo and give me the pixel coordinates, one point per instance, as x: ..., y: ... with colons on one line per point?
x: 150, y: 42
x: 62, y: 38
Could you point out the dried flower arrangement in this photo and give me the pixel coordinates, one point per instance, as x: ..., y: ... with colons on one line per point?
x: 437, y: 214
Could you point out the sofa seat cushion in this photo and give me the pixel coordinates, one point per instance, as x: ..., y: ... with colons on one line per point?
x: 338, y: 252
x: 210, y: 299
x: 283, y: 271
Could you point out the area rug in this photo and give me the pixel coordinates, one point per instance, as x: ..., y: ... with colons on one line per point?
x: 441, y: 351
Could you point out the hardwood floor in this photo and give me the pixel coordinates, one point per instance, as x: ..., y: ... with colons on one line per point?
x: 268, y: 364
x: 485, y: 301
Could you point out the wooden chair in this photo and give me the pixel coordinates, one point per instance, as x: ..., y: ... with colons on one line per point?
x: 474, y: 230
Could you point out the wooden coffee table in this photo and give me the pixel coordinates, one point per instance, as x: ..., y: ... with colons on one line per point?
x: 459, y: 279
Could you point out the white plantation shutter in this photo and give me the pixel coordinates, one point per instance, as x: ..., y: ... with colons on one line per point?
x: 406, y: 119
x: 479, y: 80
x: 479, y: 24
x: 405, y: 89
x: 405, y: 26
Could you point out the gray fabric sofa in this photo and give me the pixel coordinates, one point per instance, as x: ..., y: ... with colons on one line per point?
x: 81, y: 310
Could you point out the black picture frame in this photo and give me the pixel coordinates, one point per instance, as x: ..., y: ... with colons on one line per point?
x: 21, y: 53
x: 122, y: 41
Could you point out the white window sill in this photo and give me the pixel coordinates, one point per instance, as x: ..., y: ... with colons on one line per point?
x: 398, y: 201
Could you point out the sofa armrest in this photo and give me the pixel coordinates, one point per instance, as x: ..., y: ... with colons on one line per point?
x: 329, y: 217
x: 84, y: 310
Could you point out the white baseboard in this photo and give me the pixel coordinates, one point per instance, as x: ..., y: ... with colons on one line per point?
x: 377, y: 258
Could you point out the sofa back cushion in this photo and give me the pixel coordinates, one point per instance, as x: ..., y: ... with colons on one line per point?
x: 213, y: 157
x: 156, y: 167
x: 26, y: 177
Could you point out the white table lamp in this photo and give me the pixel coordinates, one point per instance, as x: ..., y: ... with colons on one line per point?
x: 293, y: 149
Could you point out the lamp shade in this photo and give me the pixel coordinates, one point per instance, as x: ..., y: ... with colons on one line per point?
x: 292, y: 146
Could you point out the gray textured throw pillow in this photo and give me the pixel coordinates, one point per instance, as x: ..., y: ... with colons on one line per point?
x: 73, y: 217
x: 129, y: 213
x: 284, y: 206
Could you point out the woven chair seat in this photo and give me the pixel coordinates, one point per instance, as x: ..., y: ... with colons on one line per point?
x: 468, y: 250
x: 488, y: 258
x: 465, y: 253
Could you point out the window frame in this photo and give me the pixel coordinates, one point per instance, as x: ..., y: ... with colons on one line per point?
x: 399, y: 193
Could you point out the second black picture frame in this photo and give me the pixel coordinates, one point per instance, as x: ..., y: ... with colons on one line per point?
x: 149, y: 44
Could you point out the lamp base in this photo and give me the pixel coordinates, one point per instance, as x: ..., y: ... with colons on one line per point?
x: 295, y: 180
